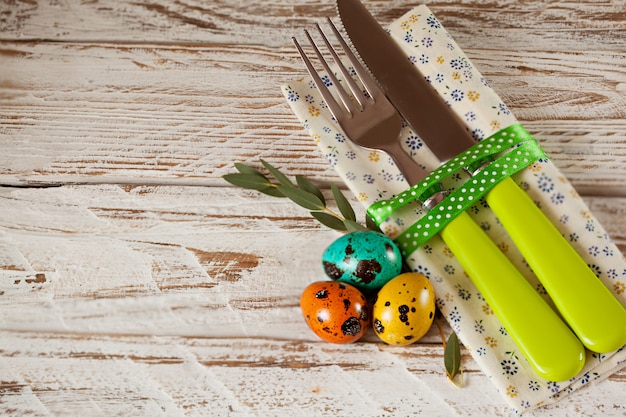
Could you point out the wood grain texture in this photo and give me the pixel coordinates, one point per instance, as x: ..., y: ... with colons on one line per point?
x: 65, y: 374
x: 505, y: 24
x: 168, y: 300
x: 134, y: 281
x: 164, y: 260
x: 166, y: 105
x: 178, y: 113
x: 196, y: 261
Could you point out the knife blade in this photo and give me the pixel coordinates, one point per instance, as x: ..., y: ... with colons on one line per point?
x: 597, y: 318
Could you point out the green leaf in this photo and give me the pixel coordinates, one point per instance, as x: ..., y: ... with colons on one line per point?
x: 352, y: 226
x: 249, y: 181
x: 371, y: 224
x: 329, y: 220
x: 452, y: 356
x: 277, y: 174
x: 272, y: 191
x: 342, y: 203
x: 307, y: 185
x: 245, y: 169
x: 302, y: 198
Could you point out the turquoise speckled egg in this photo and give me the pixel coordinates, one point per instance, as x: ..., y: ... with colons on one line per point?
x: 367, y: 260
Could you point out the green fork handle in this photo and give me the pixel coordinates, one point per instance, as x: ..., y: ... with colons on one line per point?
x: 586, y: 304
x: 543, y: 338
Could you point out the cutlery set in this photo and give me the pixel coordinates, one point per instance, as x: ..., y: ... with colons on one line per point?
x: 587, y: 315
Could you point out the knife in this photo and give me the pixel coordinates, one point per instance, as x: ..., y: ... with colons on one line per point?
x: 586, y: 304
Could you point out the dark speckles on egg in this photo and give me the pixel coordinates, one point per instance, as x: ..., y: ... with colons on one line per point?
x: 365, y: 259
x: 351, y: 327
x: 321, y: 294
x: 368, y: 270
x: 364, y: 314
x: 378, y: 326
x: 332, y: 271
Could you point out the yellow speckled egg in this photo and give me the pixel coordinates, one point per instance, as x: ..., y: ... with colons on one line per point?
x: 404, y: 309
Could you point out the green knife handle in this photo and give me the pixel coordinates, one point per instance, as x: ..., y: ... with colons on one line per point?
x: 543, y: 338
x: 586, y: 304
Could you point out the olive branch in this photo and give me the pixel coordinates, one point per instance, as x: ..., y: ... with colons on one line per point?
x: 307, y: 195
x: 304, y: 193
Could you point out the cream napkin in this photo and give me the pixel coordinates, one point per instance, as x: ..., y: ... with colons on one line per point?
x: 372, y: 176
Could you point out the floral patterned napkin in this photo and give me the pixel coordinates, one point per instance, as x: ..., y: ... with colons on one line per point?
x: 372, y: 176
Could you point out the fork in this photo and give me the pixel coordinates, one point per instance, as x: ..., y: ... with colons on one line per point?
x: 369, y: 119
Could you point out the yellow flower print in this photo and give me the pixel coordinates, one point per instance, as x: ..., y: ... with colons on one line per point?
x: 574, y: 194
x: 487, y: 310
x: 413, y: 18
x: 619, y: 287
x: 405, y: 25
x: 456, y: 75
x: 374, y: 156
x: 440, y: 59
x: 503, y: 247
x: 495, y: 125
x: 316, y: 138
x: 534, y: 167
x: 363, y: 197
x: 447, y: 252
x: 511, y: 391
x: 491, y: 342
x: 314, y: 111
x: 473, y: 95
x: 391, y: 231
x: 562, y: 179
x: 585, y: 214
x: 448, y: 297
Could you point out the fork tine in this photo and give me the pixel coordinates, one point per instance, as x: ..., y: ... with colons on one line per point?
x: 356, y: 91
x: 333, y: 106
x: 370, y: 85
x: 343, y: 95
x: 368, y: 82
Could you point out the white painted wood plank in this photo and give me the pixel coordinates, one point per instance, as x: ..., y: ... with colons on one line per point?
x: 181, y: 114
x: 158, y: 260
x: 104, y: 375
x: 529, y: 25
x: 201, y: 261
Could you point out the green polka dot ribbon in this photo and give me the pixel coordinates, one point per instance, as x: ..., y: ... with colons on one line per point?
x: 501, y: 155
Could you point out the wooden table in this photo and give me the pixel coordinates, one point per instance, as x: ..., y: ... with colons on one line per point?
x: 135, y: 281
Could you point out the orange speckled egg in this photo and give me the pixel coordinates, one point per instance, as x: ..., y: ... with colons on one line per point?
x: 337, y: 312
x: 404, y: 309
